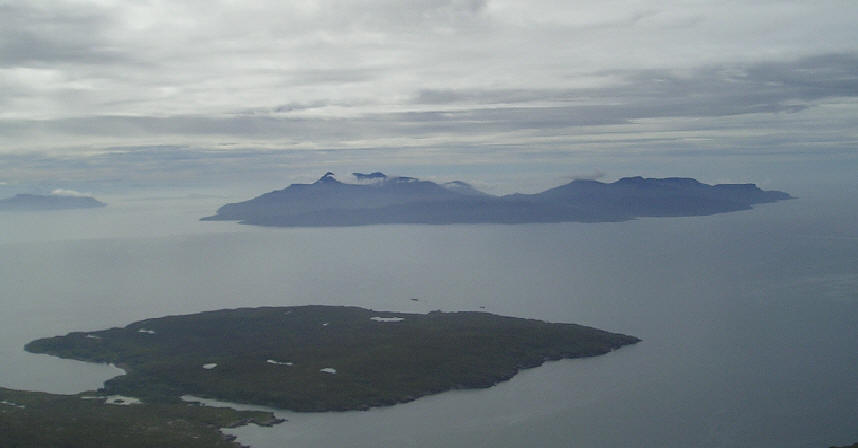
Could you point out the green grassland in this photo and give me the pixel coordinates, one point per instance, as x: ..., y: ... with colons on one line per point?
x: 377, y: 363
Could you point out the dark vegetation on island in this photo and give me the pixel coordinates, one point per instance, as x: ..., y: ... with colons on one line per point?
x: 380, y: 199
x: 32, y: 202
x: 323, y: 358
x: 35, y: 419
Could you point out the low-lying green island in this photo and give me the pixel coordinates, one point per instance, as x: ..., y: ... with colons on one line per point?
x: 323, y: 358
x: 35, y: 419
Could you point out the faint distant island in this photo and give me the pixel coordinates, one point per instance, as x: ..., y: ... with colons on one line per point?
x: 54, y: 201
x: 380, y: 199
x: 323, y: 358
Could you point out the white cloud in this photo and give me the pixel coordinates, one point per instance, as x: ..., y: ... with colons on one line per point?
x: 190, y: 57
x: 62, y: 192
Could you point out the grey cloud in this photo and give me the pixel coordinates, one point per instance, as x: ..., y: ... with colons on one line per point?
x: 485, y: 96
x: 765, y: 88
x: 34, y: 35
x: 327, y: 77
x: 297, y: 106
x: 508, y: 80
x: 808, y: 78
x: 375, y: 126
x: 714, y: 90
x: 595, y: 175
x: 812, y: 77
x: 421, y: 12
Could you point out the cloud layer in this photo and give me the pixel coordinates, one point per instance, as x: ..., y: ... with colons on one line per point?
x: 101, y: 79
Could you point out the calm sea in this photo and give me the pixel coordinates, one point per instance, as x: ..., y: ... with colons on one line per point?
x: 749, y: 320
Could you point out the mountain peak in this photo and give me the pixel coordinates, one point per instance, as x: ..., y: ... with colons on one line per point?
x: 328, y: 178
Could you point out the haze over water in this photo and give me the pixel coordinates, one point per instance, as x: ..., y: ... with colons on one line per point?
x: 749, y: 320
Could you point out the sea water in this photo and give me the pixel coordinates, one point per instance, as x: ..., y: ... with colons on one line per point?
x: 749, y: 320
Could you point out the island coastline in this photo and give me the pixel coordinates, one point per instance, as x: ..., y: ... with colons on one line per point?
x: 327, y: 358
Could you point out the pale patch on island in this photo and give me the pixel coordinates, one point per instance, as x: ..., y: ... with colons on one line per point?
x: 387, y: 319
x: 282, y: 363
x: 330, y: 370
x: 121, y: 400
x: 92, y: 336
x: 209, y: 365
x: 143, y: 330
x: 9, y: 403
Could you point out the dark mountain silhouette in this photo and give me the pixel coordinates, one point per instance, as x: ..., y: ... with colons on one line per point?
x: 48, y: 202
x: 328, y: 202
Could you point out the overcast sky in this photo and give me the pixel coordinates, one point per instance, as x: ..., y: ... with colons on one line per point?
x: 107, y: 92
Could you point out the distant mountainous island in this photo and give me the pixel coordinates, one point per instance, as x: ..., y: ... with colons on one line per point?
x: 323, y: 358
x: 380, y: 199
x: 26, y: 202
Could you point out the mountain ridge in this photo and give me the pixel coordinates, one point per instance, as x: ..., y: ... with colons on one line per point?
x: 409, y: 200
